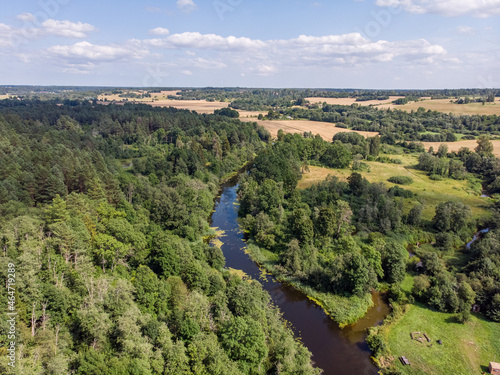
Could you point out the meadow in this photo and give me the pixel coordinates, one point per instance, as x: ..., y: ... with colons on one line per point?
x: 428, y: 192
x: 466, y: 348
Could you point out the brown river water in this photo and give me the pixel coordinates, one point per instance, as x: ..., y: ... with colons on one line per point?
x: 336, y: 351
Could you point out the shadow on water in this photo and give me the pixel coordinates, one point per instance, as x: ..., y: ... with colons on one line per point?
x: 336, y: 351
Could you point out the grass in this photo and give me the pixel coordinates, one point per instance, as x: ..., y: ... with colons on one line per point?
x: 467, y: 348
x: 429, y: 193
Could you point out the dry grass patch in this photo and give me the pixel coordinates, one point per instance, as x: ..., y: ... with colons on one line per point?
x: 200, y: 106
x: 349, y: 101
x: 455, y: 146
x: 315, y: 175
x: 325, y: 129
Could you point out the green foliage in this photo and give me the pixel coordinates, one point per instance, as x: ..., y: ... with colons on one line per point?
x: 110, y: 260
x: 401, y: 180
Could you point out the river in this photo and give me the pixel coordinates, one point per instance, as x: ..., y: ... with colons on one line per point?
x: 336, y: 351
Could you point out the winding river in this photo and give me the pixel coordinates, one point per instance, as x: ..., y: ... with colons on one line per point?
x: 336, y: 351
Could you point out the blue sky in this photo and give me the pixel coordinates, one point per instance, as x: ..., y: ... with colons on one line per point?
x: 253, y: 43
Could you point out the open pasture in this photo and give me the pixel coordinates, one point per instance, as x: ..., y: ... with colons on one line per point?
x: 466, y: 348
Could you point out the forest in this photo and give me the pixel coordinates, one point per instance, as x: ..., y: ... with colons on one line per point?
x: 103, y: 213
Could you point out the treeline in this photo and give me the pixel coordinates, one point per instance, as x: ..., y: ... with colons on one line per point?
x: 112, y: 274
x: 396, y: 125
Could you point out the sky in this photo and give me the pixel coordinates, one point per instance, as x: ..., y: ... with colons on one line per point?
x: 364, y: 44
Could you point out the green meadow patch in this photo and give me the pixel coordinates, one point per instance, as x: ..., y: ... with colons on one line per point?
x: 466, y: 348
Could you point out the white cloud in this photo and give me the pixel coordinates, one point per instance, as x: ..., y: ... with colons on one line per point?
x: 159, y: 31
x: 466, y: 30
x: 196, y: 40
x: 449, y: 8
x: 264, y: 70
x: 67, y: 29
x: 186, y: 5
x: 187, y: 72
x: 86, y: 52
x: 266, y: 57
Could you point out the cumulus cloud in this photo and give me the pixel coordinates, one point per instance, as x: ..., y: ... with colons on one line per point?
x: 197, y: 40
x: 266, y: 57
x: 86, y: 52
x: 448, y: 8
x: 159, y: 31
x: 67, y: 28
x: 186, y: 5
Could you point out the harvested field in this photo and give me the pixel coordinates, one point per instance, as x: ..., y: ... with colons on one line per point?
x: 455, y: 146
x: 349, y: 101
x: 200, y: 106
x: 250, y: 114
x: 325, y: 129
x: 444, y: 105
x: 6, y: 96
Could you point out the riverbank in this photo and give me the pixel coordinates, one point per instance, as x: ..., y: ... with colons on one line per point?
x: 344, y: 310
x: 337, y: 351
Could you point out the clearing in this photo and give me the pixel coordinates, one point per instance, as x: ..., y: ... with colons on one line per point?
x: 325, y: 129
x: 466, y: 349
x: 428, y: 192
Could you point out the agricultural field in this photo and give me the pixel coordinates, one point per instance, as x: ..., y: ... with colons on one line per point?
x: 325, y: 129
x: 428, y: 192
x: 466, y: 348
x: 444, y: 105
x: 455, y: 146
x: 4, y: 96
x: 349, y: 101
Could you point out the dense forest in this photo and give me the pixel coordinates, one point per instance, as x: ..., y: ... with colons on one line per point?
x: 104, y: 215
x: 103, y: 210
x: 347, y: 237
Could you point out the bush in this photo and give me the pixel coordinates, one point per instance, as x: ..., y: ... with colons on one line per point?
x: 436, y: 177
x: 400, y: 192
x: 401, y: 180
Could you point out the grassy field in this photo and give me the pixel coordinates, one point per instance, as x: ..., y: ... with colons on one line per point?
x: 325, y: 129
x: 467, y: 348
x: 430, y: 193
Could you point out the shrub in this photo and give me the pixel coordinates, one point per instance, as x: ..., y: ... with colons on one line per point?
x: 436, y: 177
x: 401, y: 180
